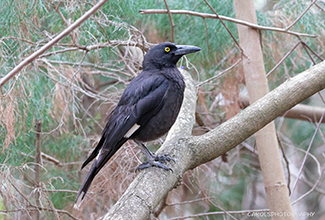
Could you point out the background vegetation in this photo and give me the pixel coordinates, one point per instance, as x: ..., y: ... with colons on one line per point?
x: 73, y: 86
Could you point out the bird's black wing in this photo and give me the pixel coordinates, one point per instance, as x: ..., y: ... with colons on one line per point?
x: 142, y: 99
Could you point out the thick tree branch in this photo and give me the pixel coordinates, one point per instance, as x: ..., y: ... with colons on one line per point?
x: 300, y: 111
x: 152, y: 185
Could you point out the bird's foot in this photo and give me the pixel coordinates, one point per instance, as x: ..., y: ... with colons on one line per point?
x: 157, y: 161
x: 163, y: 158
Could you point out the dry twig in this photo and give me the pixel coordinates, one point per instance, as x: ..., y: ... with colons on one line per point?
x: 224, y: 18
x: 37, y: 53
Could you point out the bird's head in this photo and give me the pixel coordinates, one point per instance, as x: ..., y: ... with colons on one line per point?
x: 166, y: 55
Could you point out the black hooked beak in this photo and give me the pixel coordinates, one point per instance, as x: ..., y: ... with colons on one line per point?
x: 185, y: 49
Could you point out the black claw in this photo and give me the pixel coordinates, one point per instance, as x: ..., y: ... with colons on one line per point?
x: 142, y: 166
x: 159, y: 161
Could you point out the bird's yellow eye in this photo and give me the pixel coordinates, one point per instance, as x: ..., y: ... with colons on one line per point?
x: 167, y: 49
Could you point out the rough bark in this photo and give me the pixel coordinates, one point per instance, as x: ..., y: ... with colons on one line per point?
x: 152, y: 185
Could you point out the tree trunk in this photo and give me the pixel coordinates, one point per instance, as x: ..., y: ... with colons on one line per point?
x: 266, y: 139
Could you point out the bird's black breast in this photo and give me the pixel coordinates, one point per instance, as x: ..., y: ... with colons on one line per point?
x: 161, y: 121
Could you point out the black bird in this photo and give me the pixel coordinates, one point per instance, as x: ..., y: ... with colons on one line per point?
x: 147, y: 109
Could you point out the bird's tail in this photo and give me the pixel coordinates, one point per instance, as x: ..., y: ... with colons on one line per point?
x: 86, y: 184
x: 101, y: 159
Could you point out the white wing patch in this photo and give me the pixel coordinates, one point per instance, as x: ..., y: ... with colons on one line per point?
x: 132, y: 130
x: 100, y: 151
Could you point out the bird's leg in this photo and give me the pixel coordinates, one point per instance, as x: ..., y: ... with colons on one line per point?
x: 133, y: 152
x: 153, y: 160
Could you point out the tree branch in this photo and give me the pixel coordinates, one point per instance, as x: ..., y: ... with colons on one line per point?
x: 37, y: 53
x: 170, y: 20
x: 38, y: 161
x: 153, y: 184
x: 224, y: 18
x: 300, y: 111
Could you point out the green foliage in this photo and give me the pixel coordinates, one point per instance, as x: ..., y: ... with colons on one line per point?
x: 313, y: 23
x: 301, y: 133
x: 189, y: 26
